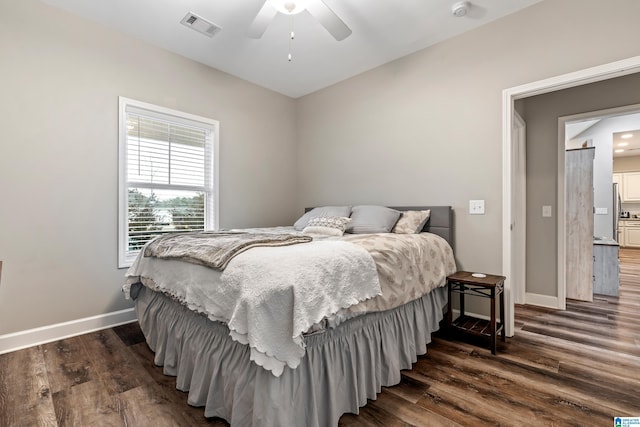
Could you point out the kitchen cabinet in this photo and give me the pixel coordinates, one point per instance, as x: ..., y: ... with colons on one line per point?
x: 631, y: 234
x: 630, y: 186
x: 621, y: 229
x: 617, y: 179
x: 606, y: 270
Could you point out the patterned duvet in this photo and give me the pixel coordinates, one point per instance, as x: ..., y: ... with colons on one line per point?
x: 409, y: 266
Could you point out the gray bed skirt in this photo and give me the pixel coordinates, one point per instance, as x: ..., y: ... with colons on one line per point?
x: 342, y: 368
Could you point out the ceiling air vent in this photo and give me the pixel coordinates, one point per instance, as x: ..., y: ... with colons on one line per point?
x: 200, y: 24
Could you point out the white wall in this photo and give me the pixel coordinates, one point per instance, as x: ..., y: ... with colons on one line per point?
x: 602, y: 136
x: 426, y: 129
x: 60, y: 78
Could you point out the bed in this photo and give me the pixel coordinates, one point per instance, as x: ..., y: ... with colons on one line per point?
x: 340, y: 360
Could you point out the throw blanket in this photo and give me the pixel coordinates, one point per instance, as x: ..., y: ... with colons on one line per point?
x: 215, y: 249
x: 274, y: 296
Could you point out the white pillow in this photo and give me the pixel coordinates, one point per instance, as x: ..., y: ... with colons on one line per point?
x: 327, y: 226
x: 324, y: 211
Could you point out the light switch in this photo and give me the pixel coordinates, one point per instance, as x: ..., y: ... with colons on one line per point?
x: 476, y: 207
x: 546, y: 211
x: 601, y: 211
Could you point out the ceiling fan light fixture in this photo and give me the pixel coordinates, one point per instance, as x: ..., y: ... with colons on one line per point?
x: 289, y: 7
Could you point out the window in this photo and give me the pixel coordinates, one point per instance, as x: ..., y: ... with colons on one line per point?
x: 168, y: 175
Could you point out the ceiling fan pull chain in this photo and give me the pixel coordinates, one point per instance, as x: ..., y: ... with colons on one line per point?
x: 292, y: 36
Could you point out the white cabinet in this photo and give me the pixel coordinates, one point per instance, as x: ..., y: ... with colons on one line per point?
x: 621, y: 229
x: 632, y: 234
x: 617, y: 179
x: 630, y: 187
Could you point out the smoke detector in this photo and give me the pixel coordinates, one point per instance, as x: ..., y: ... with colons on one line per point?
x: 460, y: 9
x: 199, y: 24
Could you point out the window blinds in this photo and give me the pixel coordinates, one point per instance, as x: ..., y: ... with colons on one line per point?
x: 168, y: 175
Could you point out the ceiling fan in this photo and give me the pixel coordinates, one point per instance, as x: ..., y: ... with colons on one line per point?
x: 317, y: 8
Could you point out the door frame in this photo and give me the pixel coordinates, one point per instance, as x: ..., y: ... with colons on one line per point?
x: 519, y: 205
x: 509, y: 96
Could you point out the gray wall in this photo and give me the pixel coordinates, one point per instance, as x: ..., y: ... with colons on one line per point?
x: 61, y: 78
x: 424, y: 129
x: 541, y: 114
x: 427, y: 128
x: 626, y: 164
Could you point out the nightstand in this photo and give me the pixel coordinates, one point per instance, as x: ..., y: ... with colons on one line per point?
x: 490, y: 286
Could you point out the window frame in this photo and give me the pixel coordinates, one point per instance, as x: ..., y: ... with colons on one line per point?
x: 125, y: 105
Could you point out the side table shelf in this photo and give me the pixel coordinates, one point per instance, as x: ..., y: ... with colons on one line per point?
x: 490, y: 286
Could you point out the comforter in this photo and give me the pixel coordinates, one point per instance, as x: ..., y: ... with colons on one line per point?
x: 269, y: 297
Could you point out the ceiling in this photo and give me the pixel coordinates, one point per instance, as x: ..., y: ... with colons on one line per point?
x: 625, y: 134
x: 383, y: 30
x: 629, y: 141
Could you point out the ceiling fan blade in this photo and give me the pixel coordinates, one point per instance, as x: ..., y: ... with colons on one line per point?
x: 328, y: 19
x: 262, y: 20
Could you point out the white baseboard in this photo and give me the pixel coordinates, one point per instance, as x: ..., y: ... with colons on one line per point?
x: 29, y: 338
x: 541, y: 300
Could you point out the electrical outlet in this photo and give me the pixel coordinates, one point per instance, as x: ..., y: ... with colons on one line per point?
x: 476, y: 207
x: 601, y: 211
x: 546, y: 211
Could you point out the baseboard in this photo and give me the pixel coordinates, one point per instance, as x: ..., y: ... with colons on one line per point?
x: 541, y: 300
x: 29, y: 338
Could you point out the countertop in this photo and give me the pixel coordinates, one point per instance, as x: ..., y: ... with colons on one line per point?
x: 604, y: 241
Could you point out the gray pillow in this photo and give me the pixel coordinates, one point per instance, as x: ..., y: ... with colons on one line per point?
x: 372, y: 219
x: 324, y: 211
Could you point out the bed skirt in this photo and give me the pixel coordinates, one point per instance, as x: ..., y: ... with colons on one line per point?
x: 342, y: 367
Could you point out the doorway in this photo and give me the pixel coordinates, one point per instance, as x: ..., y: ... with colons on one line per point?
x: 591, y: 75
x: 599, y: 130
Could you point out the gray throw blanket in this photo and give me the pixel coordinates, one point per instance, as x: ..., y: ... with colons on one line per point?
x: 215, y: 249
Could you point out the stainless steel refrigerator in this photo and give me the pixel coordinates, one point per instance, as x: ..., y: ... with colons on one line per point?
x: 617, y: 208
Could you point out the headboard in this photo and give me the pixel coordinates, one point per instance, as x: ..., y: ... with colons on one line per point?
x: 440, y: 222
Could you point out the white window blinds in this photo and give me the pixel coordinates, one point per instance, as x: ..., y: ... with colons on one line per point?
x: 160, y: 152
x: 168, y: 169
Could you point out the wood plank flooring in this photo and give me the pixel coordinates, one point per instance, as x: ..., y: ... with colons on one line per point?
x: 575, y: 367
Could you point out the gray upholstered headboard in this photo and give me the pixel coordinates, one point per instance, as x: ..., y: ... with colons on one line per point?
x: 440, y: 222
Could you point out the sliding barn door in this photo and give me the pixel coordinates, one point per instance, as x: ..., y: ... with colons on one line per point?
x: 579, y: 223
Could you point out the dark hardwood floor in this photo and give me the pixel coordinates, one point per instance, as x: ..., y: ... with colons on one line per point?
x: 575, y: 367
